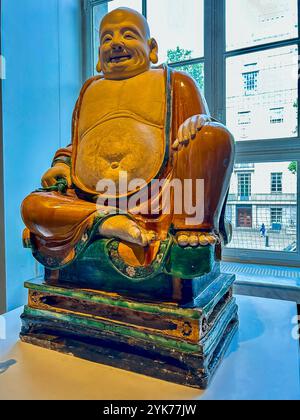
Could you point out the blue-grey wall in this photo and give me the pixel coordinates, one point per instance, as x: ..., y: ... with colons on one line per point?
x: 41, y: 43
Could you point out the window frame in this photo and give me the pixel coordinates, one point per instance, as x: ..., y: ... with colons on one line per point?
x: 276, y: 211
x: 3, y: 305
x: 244, y: 184
x: 276, y: 181
x: 251, y: 151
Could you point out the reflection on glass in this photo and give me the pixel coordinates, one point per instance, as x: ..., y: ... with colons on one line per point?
x: 262, y: 94
x: 100, y: 10
x: 256, y: 22
x: 177, y: 24
x: 262, y: 206
x: 196, y: 71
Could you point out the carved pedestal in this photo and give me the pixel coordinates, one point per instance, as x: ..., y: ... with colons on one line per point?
x: 181, y: 343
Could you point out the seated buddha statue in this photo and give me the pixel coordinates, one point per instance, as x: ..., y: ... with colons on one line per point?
x: 151, y: 124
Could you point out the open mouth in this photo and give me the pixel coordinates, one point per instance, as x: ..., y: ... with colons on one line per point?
x: 120, y: 58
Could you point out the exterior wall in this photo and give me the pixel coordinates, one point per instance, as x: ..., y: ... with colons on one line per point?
x: 41, y: 42
x: 276, y: 87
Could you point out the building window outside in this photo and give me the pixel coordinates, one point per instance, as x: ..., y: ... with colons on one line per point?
x: 276, y: 115
x: 244, y: 185
x: 250, y: 82
x: 244, y: 120
x: 276, y: 215
x: 276, y: 182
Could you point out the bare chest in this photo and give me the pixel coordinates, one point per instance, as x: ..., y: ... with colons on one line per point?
x: 121, y: 129
x: 141, y: 98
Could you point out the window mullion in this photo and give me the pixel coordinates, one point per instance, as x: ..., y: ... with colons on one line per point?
x: 263, y: 47
x: 144, y: 7
x: 214, y: 69
x: 297, y: 253
x: 2, y: 217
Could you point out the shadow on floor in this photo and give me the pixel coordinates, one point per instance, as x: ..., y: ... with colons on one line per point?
x: 4, y: 366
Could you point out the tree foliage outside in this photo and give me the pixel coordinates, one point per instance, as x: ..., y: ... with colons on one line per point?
x: 293, y: 167
x: 195, y: 70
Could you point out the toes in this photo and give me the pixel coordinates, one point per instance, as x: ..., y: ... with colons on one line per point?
x: 203, y: 239
x: 135, y: 234
x: 212, y: 239
x: 207, y: 239
x: 193, y: 240
x: 183, y: 240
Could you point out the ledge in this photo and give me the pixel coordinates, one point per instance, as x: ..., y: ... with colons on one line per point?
x: 265, y: 281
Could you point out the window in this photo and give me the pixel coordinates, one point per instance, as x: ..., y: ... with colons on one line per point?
x: 251, y: 205
x: 272, y: 86
x: 252, y: 23
x: 244, y: 185
x: 276, y: 182
x: 276, y: 216
x: 178, y: 39
x: 277, y: 115
x: 244, y: 55
x: 244, y: 119
x: 250, y: 81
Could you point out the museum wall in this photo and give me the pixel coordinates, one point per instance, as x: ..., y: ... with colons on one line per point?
x: 41, y: 45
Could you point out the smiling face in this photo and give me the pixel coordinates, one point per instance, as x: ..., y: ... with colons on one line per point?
x: 125, y: 44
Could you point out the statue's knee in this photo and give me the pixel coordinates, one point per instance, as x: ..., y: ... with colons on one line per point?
x: 31, y: 208
x: 216, y: 136
x: 26, y: 209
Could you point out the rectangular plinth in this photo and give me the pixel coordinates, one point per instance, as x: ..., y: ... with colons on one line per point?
x: 181, y: 367
x: 178, y: 344
x: 167, y: 319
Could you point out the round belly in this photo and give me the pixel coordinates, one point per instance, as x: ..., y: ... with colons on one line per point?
x: 117, y: 148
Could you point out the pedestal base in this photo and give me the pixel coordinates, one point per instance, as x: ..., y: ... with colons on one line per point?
x: 163, y: 340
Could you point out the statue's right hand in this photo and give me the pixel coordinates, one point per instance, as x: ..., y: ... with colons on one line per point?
x: 60, y: 170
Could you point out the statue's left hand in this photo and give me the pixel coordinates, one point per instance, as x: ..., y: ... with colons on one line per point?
x: 60, y: 170
x: 188, y: 130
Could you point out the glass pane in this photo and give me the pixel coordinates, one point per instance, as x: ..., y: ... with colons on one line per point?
x: 196, y: 71
x: 100, y: 11
x: 177, y: 25
x: 251, y: 23
x: 262, y: 94
x: 264, y: 218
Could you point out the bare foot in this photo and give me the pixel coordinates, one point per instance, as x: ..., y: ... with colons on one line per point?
x: 194, y: 239
x: 121, y: 227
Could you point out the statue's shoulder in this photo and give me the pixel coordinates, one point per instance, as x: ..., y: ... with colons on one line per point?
x: 183, y: 80
x: 89, y: 83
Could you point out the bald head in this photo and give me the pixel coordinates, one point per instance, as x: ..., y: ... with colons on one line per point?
x: 126, y: 48
x: 122, y: 14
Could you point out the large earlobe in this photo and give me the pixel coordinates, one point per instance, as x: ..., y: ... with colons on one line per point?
x: 153, y: 51
x: 98, y: 67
